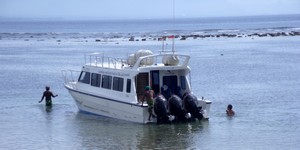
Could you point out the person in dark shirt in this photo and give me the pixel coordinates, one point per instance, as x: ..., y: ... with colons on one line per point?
x: 47, y: 94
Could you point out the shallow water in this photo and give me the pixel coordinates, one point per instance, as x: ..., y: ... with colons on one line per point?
x: 259, y: 77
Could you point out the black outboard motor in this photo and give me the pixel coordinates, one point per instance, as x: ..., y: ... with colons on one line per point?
x: 190, y: 105
x: 175, y: 108
x: 161, y: 110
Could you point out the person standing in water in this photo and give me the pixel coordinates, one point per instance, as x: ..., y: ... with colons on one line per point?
x: 149, y: 94
x: 229, y: 110
x: 47, y: 94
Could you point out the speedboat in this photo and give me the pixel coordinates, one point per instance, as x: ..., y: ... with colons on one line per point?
x: 114, y: 87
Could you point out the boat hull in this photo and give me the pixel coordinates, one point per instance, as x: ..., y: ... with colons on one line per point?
x: 108, y: 107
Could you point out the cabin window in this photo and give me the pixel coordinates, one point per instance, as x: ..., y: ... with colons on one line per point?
x: 84, y: 77
x: 128, y: 87
x: 106, y: 81
x: 183, y: 82
x: 118, y: 84
x: 155, y: 78
x: 95, y: 80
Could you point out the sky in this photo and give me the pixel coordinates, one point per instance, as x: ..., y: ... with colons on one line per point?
x: 143, y: 9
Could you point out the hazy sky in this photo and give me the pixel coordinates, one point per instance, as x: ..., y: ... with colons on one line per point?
x: 146, y: 9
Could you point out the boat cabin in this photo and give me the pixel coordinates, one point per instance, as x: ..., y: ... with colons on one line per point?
x: 166, y: 73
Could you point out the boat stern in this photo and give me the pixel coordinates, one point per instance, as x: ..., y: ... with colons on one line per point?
x: 205, y: 107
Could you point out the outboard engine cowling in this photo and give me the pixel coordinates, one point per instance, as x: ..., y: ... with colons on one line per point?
x: 190, y: 105
x: 175, y: 108
x: 161, y: 110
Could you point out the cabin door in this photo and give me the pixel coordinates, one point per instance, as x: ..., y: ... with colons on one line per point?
x: 142, y: 80
x: 155, y: 81
x: 171, y: 82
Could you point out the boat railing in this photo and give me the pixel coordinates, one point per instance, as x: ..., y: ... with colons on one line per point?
x: 162, y: 59
x: 99, y: 60
x: 70, y: 77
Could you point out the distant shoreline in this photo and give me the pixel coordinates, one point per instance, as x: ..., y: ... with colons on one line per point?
x: 100, y: 37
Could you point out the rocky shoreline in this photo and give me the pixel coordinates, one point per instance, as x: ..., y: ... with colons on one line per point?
x: 100, y: 37
x: 222, y: 35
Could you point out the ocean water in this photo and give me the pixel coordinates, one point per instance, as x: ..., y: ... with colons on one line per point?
x: 259, y: 76
x: 153, y: 26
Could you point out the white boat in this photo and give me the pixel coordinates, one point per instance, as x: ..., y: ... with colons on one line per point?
x: 114, y: 87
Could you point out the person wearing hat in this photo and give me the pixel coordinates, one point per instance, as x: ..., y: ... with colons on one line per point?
x: 47, y: 94
x: 150, y: 101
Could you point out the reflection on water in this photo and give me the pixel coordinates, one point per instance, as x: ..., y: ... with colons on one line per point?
x: 174, y: 136
x: 48, y: 108
x: 107, y: 133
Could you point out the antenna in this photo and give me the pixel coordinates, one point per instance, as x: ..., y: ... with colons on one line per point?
x: 173, y: 26
x: 163, y: 44
x: 173, y: 12
x: 170, y: 36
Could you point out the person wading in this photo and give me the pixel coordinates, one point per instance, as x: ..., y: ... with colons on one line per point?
x: 229, y: 110
x: 47, y: 94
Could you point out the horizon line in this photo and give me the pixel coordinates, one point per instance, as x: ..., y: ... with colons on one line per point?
x: 3, y: 18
